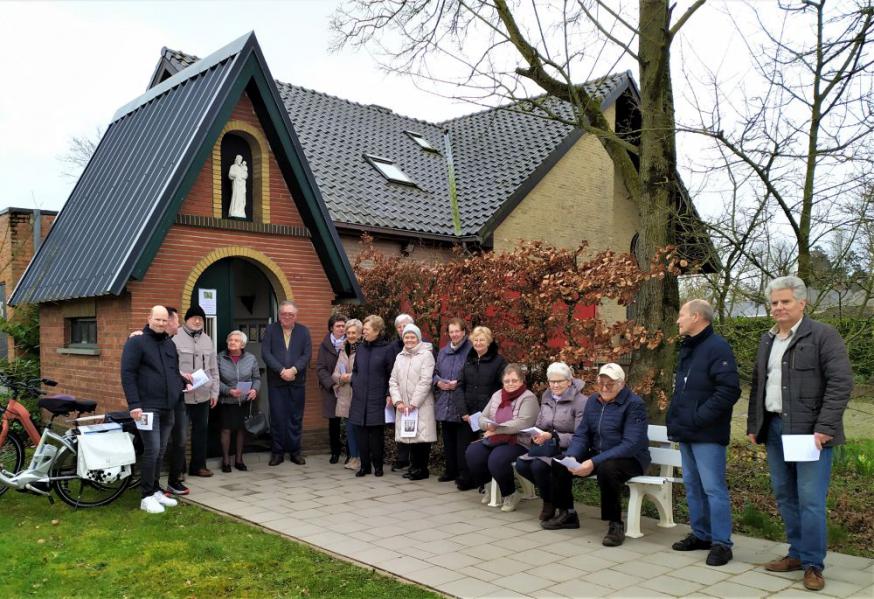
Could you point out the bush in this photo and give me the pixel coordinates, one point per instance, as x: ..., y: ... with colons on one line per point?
x: 20, y: 370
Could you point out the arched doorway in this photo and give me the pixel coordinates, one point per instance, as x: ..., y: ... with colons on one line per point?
x: 245, y: 300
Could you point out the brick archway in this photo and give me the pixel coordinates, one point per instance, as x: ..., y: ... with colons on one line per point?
x: 270, y: 269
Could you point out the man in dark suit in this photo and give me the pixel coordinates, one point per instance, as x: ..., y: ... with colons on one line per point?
x: 286, y: 350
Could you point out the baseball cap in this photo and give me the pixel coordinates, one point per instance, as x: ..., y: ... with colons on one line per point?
x: 614, y: 371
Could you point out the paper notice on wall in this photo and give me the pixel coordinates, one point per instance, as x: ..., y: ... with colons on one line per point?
x: 207, y: 300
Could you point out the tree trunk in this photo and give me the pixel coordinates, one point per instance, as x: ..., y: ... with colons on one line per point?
x: 658, y: 300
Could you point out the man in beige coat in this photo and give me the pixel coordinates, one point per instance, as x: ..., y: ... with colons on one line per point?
x: 413, y: 396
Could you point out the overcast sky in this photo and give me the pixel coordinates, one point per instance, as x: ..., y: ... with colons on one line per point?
x: 67, y: 67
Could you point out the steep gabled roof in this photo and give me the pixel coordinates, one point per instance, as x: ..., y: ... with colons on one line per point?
x: 128, y: 195
x: 499, y: 155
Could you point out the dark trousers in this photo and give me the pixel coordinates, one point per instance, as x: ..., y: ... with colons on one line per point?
x: 456, y: 438
x: 488, y: 463
x: 611, y: 475
x: 198, y: 415
x: 154, y: 445
x: 371, y: 445
x: 334, y: 436
x: 286, y: 419
x: 403, y: 455
x: 420, y: 455
x: 539, y: 473
x: 176, y: 448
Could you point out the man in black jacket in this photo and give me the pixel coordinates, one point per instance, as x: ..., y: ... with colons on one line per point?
x: 706, y: 388
x: 152, y: 384
x: 802, y: 381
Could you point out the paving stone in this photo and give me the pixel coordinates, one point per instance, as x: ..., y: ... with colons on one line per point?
x: 636, y: 592
x: 556, y: 572
x: 402, y: 566
x: 579, y: 588
x: 504, y: 566
x: 838, y: 588
x: 372, y: 554
x: 468, y: 587
x: 488, y: 551
x: 523, y: 582
x: 438, y: 547
x: 542, y: 557
x: 504, y: 594
x: 479, y: 573
x: 587, y: 563
x: 428, y: 534
x: 860, y: 577
x: 731, y: 589
x: 612, y: 579
x: 671, y: 585
x: 453, y: 561
x: 705, y: 576
x: 641, y: 569
x: 435, y: 575
x: 761, y: 580
x: 867, y: 593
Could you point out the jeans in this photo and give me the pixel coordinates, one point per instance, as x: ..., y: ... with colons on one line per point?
x: 286, y: 419
x: 707, y: 491
x: 198, y: 415
x: 801, y: 489
x: 611, y: 475
x: 352, y: 439
x: 486, y: 462
x: 176, y: 448
x: 154, y: 444
x: 539, y: 473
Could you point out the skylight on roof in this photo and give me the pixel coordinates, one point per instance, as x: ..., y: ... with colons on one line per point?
x: 389, y: 169
x: 423, y: 143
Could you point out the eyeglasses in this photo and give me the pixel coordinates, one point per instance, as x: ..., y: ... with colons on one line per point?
x: 512, y: 381
x: 608, y: 386
x: 558, y: 382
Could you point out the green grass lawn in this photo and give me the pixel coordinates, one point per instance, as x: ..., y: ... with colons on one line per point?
x: 119, y: 551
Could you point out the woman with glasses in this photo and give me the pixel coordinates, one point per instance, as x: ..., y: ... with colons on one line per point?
x: 561, y: 410
x: 611, y: 444
x: 509, y: 410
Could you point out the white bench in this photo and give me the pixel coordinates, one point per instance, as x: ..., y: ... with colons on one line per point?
x: 527, y: 489
x: 657, y: 488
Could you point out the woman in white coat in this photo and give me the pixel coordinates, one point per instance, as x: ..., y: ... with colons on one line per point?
x: 411, y: 393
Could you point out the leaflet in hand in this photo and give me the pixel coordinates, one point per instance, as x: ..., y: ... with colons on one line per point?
x: 409, y: 423
x: 244, y: 387
x: 389, y: 414
x: 474, y: 421
x: 198, y: 379
x: 533, y: 431
x: 568, y: 462
x: 799, y: 448
x: 144, y: 422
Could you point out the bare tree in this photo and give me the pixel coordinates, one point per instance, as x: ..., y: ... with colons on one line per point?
x: 486, y: 49
x: 799, y: 145
x: 79, y: 152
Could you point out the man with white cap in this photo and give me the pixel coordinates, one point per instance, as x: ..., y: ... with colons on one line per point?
x: 611, y: 444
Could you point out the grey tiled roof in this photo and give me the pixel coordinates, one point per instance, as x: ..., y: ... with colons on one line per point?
x: 495, y: 152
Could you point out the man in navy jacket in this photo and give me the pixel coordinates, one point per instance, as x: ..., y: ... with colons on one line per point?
x: 286, y: 350
x: 706, y: 388
x: 611, y: 443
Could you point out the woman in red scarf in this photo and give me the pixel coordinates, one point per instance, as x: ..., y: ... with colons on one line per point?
x: 510, y: 410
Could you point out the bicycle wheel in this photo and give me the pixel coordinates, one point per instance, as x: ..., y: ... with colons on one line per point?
x: 81, y: 492
x: 11, y: 456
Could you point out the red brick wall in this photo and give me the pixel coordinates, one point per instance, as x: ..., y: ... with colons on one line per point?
x: 98, y: 377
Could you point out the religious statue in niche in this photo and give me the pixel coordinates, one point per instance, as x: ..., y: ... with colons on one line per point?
x: 238, y: 174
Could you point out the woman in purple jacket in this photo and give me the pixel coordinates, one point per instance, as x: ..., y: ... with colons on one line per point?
x: 456, y: 432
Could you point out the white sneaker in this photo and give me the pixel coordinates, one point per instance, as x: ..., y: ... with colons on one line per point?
x: 151, y: 505
x: 511, y: 501
x: 164, y: 500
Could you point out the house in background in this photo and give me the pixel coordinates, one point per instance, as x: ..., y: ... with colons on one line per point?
x: 150, y: 220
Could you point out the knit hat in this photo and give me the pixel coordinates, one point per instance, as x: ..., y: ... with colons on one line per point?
x: 411, y: 328
x: 195, y: 310
x: 614, y: 371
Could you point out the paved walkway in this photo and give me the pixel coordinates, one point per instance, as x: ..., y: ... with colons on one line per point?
x: 431, y: 534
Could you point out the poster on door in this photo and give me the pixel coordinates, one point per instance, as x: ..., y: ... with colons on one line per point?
x: 207, y: 300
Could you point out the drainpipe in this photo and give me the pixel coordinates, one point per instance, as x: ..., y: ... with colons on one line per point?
x: 37, y: 230
x: 453, y: 193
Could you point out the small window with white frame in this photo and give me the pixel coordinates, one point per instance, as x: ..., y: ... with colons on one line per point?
x: 422, y: 141
x: 389, y: 169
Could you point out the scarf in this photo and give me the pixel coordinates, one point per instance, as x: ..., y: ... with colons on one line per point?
x: 508, y: 397
x: 351, y: 348
x: 505, y: 413
x: 338, y: 343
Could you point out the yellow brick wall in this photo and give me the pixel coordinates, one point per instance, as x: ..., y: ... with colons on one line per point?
x: 581, y: 198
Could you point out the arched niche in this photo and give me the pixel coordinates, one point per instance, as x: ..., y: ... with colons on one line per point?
x: 242, y: 135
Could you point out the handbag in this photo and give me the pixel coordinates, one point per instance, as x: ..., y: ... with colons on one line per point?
x: 546, y: 450
x: 256, y: 422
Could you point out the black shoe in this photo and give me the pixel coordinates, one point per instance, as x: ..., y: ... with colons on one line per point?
x: 377, y: 471
x: 719, y: 555
x: 420, y: 474
x: 615, y: 535
x: 240, y: 466
x: 547, y: 512
x: 464, y: 485
x: 445, y: 477
x: 226, y: 467
x: 297, y: 458
x: 399, y: 466
x: 335, y: 457
x: 275, y: 459
x: 691, y: 543
x: 564, y: 519
x: 362, y: 472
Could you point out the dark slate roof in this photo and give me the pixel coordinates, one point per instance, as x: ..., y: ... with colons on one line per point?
x: 131, y: 189
x: 496, y: 153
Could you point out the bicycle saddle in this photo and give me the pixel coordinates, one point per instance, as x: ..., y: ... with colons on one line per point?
x: 62, y: 405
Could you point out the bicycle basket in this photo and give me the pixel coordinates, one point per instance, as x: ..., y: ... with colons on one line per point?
x: 105, y: 456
